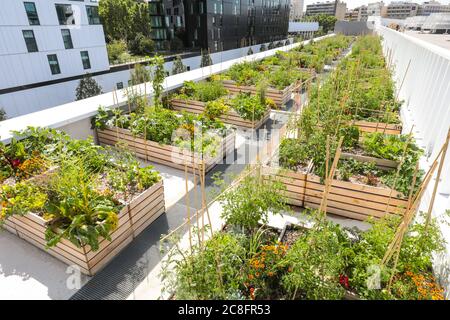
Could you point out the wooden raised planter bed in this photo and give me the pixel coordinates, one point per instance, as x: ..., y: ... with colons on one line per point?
x: 346, y: 199
x: 171, y: 156
x: 133, y: 219
x: 366, y: 126
x: 232, y: 117
x: 380, y: 163
x: 280, y: 97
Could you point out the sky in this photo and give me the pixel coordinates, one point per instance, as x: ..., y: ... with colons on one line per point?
x: 351, y: 4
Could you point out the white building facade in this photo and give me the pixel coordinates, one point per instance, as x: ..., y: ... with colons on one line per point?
x: 331, y: 8
x: 375, y: 8
x: 46, y: 41
x: 427, y: 8
x: 296, y: 10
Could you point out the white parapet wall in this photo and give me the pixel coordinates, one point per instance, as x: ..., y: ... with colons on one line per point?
x: 422, y: 74
x: 75, y: 117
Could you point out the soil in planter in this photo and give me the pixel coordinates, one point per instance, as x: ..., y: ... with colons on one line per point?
x: 291, y: 235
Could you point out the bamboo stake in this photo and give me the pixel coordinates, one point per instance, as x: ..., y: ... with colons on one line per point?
x: 188, y: 205
x: 438, y: 177
x: 403, y: 80
x: 328, y: 182
x: 205, y: 204
x: 397, y: 173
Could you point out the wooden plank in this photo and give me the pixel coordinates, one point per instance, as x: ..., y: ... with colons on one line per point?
x: 383, y: 163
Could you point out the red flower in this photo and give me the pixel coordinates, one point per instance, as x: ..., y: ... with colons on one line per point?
x: 15, y: 163
x: 343, y: 280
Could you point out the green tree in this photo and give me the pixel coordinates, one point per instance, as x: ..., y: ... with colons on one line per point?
x: 206, y: 59
x: 141, y: 45
x: 87, y: 87
x: 2, y: 114
x: 139, y: 75
x: 178, y: 66
x: 325, y: 22
x: 116, y: 50
x: 116, y: 16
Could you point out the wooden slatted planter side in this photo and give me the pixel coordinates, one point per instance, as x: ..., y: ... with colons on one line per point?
x: 232, y: 117
x: 380, y: 163
x: 280, y: 97
x: 346, y: 199
x: 170, y: 156
x: 133, y: 219
x: 388, y: 128
x: 295, y: 183
x: 354, y: 200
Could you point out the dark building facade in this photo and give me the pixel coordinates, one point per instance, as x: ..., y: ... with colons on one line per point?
x: 220, y: 24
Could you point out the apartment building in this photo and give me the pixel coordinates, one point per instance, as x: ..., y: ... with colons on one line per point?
x: 296, y: 9
x: 48, y: 40
x: 427, y: 8
x: 375, y: 8
x: 401, y: 10
x: 331, y: 8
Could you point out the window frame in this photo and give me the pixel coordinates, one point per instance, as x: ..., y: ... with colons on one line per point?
x: 35, y: 11
x: 58, y: 70
x: 83, y: 60
x: 70, y: 38
x: 36, y: 48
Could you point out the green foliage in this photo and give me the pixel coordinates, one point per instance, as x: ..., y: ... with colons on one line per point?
x: 316, y: 262
x: 252, y: 201
x: 293, y: 154
x: 206, y: 59
x: 158, y: 76
x: 116, y: 50
x: 419, y: 244
x: 81, y: 198
x: 141, y: 45
x: 2, y: 114
x: 249, y: 107
x: 326, y: 22
x: 211, y: 272
x: 204, y: 91
x: 216, y: 108
x: 20, y: 199
x: 124, y: 19
x: 87, y: 87
x: 79, y: 213
x: 139, y: 74
x: 178, y: 66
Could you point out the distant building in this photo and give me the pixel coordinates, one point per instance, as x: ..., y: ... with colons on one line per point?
x: 357, y: 14
x: 330, y: 8
x: 401, y: 10
x: 375, y: 8
x: 48, y: 40
x: 219, y: 25
x: 296, y: 10
x: 427, y: 8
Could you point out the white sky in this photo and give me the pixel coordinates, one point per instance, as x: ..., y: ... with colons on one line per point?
x: 351, y: 4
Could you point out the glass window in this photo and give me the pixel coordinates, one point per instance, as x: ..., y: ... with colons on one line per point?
x: 31, y: 11
x: 30, y: 40
x: 53, y: 63
x: 67, y: 38
x: 85, y: 60
x: 92, y: 14
x: 65, y: 14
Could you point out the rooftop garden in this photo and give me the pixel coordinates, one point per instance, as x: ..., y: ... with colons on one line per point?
x: 332, y: 114
x: 77, y: 187
x: 318, y: 261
